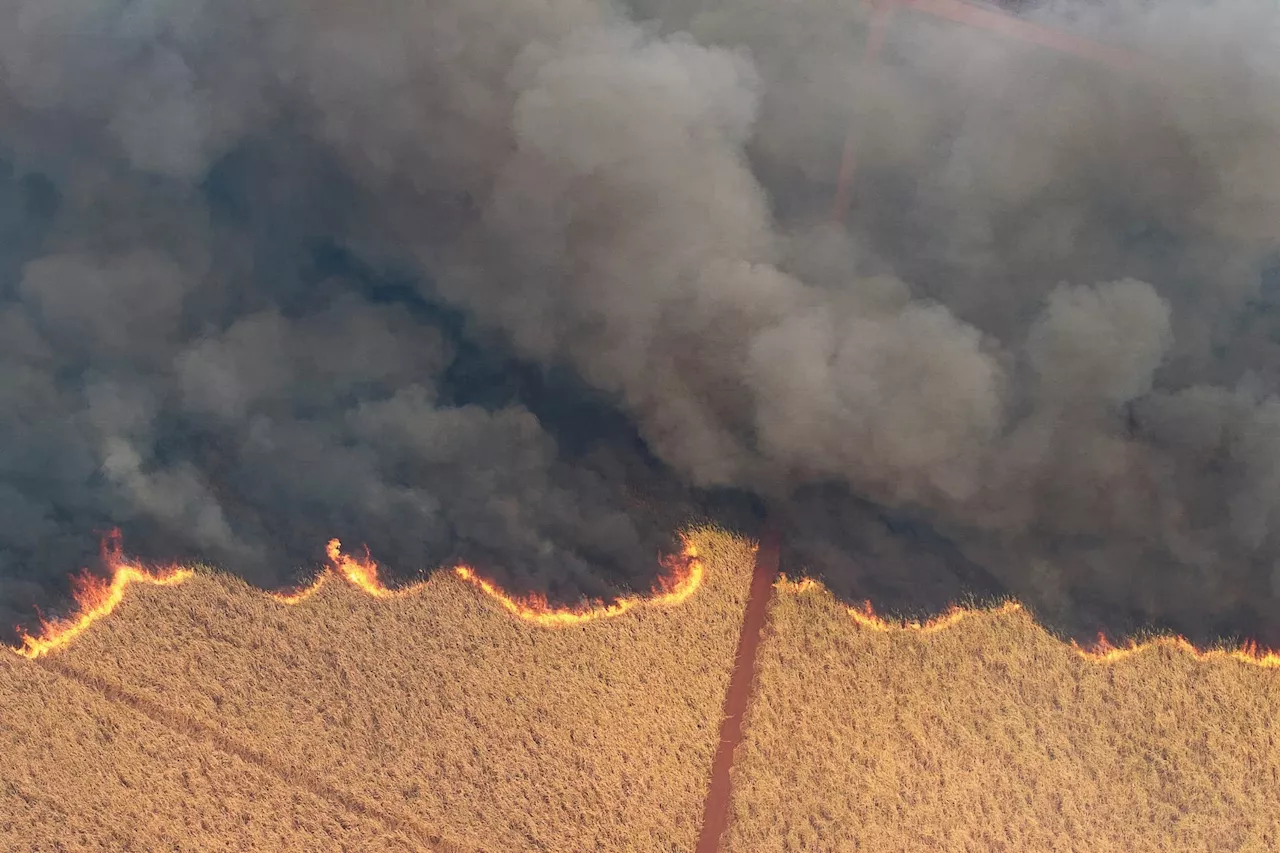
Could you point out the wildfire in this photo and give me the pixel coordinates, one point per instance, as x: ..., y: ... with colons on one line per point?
x: 1102, y: 652
x: 97, y: 597
x: 1249, y: 652
x: 686, y: 576
x: 359, y: 573
x: 868, y: 618
x: 786, y: 584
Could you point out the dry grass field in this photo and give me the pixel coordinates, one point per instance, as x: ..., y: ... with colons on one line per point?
x: 83, y: 772
x: 991, y: 735
x: 210, y: 716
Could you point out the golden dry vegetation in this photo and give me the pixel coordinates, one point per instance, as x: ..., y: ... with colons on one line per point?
x: 210, y: 716
x: 992, y: 735
x: 82, y: 772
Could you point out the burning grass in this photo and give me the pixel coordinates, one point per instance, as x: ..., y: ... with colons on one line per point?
x: 987, y: 733
x: 439, y: 712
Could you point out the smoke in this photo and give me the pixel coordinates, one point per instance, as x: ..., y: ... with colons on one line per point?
x: 528, y: 284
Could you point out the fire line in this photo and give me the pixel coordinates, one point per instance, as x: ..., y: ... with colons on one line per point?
x: 96, y: 598
x: 1102, y: 652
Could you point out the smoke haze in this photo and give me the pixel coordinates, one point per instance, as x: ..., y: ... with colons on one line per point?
x: 527, y: 285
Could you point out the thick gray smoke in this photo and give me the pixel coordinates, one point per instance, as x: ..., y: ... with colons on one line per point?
x: 478, y: 280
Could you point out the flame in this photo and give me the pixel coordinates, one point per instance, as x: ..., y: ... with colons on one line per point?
x: 1103, y: 651
x: 1248, y: 652
x: 786, y: 584
x: 97, y: 597
x: 867, y: 617
x: 686, y: 577
x: 359, y: 573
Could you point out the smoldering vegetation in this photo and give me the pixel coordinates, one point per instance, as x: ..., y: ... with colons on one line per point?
x: 527, y: 284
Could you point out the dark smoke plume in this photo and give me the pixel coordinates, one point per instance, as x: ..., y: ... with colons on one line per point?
x: 528, y: 284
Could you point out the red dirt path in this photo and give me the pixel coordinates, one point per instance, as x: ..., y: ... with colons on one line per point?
x: 715, y: 816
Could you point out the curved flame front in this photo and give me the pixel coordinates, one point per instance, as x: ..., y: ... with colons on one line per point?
x: 686, y: 576
x: 867, y: 617
x: 359, y: 573
x: 1248, y: 652
x: 1102, y: 652
x: 96, y: 597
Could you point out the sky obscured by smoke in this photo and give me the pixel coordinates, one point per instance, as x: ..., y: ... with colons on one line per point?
x: 524, y: 283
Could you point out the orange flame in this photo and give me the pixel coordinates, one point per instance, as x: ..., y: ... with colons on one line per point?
x: 359, y: 573
x: 686, y: 576
x: 1102, y: 652
x: 867, y: 618
x: 786, y: 584
x: 1248, y: 652
x: 97, y: 597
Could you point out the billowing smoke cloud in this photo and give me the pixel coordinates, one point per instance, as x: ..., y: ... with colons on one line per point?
x: 523, y: 284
